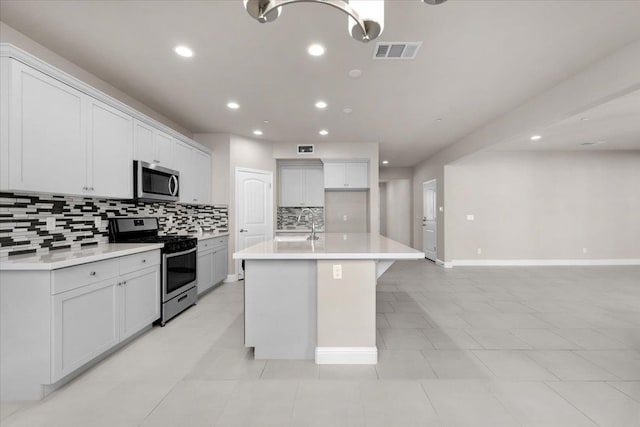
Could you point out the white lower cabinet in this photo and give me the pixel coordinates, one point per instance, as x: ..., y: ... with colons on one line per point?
x: 139, y: 300
x: 85, y: 324
x: 212, y: 262
x: 90, y: 319
x: 53, y: 323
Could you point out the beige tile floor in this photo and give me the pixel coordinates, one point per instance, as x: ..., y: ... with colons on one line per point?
x: 464, y: 347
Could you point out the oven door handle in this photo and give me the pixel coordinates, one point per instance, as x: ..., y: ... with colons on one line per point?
x: 180, y: 253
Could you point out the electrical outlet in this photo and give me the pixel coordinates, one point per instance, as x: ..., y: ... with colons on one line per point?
x: 51, y: 223
x: 479, y: 250
x: 470, y: 217
x: 337, y: 271
x: 344, y: 217
x: 584, y: 250
x: 97, y: 221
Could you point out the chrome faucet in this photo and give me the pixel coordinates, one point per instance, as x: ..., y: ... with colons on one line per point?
x: 312, y: 236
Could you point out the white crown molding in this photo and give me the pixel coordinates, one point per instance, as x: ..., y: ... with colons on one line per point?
x: 541, y: 262
x: 10, y: 51
x: 346, y: 355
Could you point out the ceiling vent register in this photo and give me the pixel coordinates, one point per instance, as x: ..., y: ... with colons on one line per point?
x: 396, y: 50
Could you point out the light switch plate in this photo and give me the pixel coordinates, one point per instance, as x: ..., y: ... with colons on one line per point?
x: 97, y: 221
x: 51, y: 223
x: 337, y: 271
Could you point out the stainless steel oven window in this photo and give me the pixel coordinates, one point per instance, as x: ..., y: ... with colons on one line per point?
x: 179, y: 270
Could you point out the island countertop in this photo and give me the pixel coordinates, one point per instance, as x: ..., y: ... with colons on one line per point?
x: 331, y: 246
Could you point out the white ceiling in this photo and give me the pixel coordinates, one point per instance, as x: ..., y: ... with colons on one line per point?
x: 616, y: 123
x: 479, y: 59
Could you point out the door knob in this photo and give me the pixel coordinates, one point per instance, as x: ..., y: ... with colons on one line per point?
x: 242, y: 230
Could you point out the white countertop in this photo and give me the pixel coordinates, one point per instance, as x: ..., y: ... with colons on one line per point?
x: 69, y: 257
x: 206, y: 236
x: 332, y: 246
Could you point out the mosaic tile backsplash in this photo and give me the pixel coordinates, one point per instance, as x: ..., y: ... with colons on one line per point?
x: 83, y: 221
x: 287, y: 219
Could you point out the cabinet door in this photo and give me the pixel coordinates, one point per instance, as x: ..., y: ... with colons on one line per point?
x: 184, y: 165
x: 47, y: 144
x: 220, y: 265
x: 111, y: 148
x: 139, y: 300
x: 164, y: 147
x: 85, y: 324
x: 357, y: 175
x: 335, y: 175
x: 143, y: 142
x: 313, y: 191
x: 202, y: 178
x: 205, y: 271
x: 291, y: 187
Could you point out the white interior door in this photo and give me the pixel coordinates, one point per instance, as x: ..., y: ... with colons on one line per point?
x: 429, y: 220
x: 254, y: 209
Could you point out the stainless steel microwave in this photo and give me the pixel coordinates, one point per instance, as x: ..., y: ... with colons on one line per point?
x: 155, y: 183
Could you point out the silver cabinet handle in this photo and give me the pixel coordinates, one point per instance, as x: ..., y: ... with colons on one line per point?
x: 124, y: 283
x: 156, y: 161
x: 91, y: 188
x: 85, y: 188
x: 93, y: 273
x: 144, y: 260
x: 242, y: 230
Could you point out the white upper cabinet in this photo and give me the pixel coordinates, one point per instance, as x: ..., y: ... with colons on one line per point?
x: 111, y: 152
x: 347, y: 175
x: 194, y: 167
x: 301, y: 186
x: 202, y: 166
x: 45, y: 146
x: 290, y: 187
x: 59, y: 135
x: 153, y: 146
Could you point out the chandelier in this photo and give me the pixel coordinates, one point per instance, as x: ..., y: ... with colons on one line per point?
x: 366, y: 17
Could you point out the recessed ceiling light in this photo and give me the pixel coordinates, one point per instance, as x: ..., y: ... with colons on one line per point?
x: 324, y: 132
x: 355, y: 73
x: 321, y: 105
x: 316, y: 49
x: 438, y: 120
x: 385, y: 162
x: 348, y: 110
x: 183, y: 51
x: 233, y: 105
x: 536, y: 137
x: 257, y: 132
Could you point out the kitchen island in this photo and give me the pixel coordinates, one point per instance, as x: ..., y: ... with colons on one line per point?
x: 316, y: 299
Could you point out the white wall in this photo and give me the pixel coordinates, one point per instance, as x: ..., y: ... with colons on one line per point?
x: 545, y: 205
x: 16, y: 38
x: 613, y: 76
x: 398, y: 210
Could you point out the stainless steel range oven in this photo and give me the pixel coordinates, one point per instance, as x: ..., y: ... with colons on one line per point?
x: 179, y: 261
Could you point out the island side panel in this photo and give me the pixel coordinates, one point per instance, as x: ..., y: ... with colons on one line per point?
x: 347, y: 312
x: 280, y: 308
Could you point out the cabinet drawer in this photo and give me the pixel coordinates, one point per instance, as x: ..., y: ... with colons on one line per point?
x: 74, y: 277
x: 214, y: 243
x: 131, y: 263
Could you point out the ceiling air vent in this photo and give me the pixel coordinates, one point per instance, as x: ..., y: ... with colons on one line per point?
x: 306, y: 149
x: 396, y: 50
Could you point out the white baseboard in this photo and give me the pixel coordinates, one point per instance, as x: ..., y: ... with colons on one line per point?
x: 443, y: 263
x: 231, y: 278
x: 346, y: 355
x: 540, y: 262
